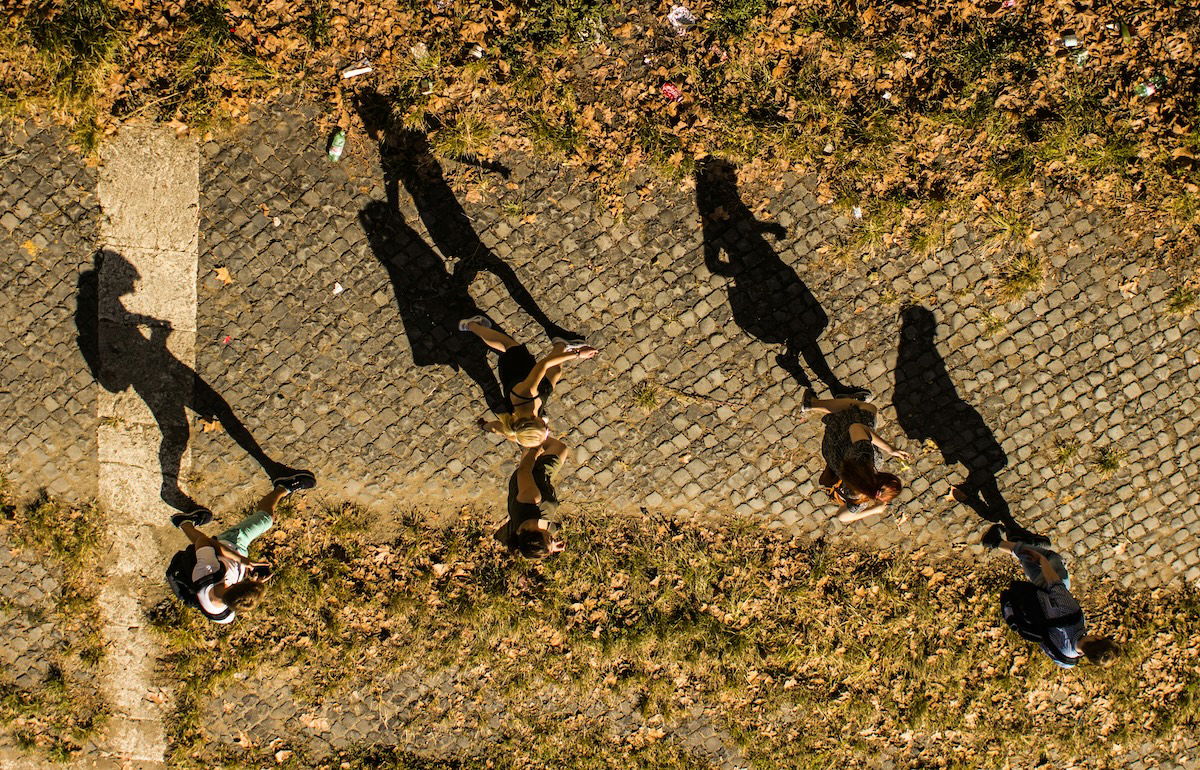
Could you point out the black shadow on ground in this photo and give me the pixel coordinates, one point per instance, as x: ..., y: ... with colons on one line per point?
x: 408, y: 160
x: 430, y: 299
x: 767, y: 297
x: 928, y: 407
x: 120, y: 356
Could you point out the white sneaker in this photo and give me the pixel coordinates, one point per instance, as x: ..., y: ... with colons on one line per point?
x: 481, y: 320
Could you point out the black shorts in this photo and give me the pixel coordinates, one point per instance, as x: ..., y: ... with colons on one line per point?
x: 514, y: 365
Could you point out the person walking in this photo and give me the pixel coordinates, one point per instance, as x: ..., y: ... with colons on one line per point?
x: 526, y: 382
x: 1042, y: 609
x: 215, y: 575
x: 532, y: 499
x: 852, y: 450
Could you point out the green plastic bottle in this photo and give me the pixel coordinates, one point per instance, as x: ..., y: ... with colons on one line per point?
x: 337, y: 144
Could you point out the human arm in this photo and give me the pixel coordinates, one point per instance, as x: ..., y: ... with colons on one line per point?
x: 845, y: 515
x: 887, y: 448
x: 1048, y: 572
x: 771, y: 228
x: 527, y: 488
x: 488, y: 426
x: 530, y: 384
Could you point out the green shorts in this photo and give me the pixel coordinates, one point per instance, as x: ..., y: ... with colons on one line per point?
x: 241, y: 535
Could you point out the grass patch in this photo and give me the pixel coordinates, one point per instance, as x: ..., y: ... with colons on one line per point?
x: 1064, y: 453
x: 993, y: 324
x: 1023, y: 272
x: 466, y: 135
x: 1108, y: 461
x: 57, y: 715
x: 646, y: 396
x: 1183, y: 300
x: 801, y: 644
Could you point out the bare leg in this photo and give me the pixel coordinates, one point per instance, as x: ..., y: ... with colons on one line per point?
x: 267, y: 504
x: 830, y: 405
x: 554, y: 373
x: 494, y: 339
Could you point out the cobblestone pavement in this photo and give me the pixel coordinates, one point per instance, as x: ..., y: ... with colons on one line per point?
x: 32, y: 655
x: 48, y: 221
x: 325, y: 378
x: 687, y: 407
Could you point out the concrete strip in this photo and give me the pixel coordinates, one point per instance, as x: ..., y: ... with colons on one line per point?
x: 148, y: 190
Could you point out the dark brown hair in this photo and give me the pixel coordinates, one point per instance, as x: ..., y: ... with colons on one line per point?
x: 862, y: 479
x: 243, y: 596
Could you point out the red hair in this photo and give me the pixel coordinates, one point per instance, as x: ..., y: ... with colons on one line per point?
x: 865, y: 480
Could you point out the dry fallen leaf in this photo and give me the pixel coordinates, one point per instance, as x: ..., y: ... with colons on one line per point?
x: 210, y: 426
x: 223, y: 275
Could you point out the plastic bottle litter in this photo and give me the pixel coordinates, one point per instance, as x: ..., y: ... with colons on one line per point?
x: 360, y: 67
x: 681, y: 19
x: 476, y: 51
x: 1069, y: 40
x: 672, y: 92
x: 337, y: 144
x: 1151, y: 86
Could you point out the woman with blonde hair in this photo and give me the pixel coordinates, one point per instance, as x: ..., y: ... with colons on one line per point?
x: 525, y: 381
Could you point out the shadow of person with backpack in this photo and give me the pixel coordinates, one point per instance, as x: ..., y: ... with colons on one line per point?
x: 120, y: 356
x: 766, y: 296
x: 928, y: 406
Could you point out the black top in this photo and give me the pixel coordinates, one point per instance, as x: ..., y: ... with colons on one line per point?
x: 515, y: 364
x: 544, y: 470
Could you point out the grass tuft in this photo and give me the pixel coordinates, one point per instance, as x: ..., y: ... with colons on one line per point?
x: 1064, y: 452
x: 466, y: 135
x: 1183, y: 301
x: 1109, y: 461
x: 1022, y: 273
x: 646, y: 396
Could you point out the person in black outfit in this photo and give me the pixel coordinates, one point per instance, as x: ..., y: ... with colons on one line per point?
x: 768, y: 299
x: 525, y: 381
x: 532, y: 499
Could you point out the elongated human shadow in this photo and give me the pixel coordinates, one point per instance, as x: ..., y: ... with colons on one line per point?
x: 928, y: 407
x: 120, y: 356
x: 452, y: 231
x: 428, y: 297
x: 767, y: 297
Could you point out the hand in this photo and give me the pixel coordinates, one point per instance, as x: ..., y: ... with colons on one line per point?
x: 586, y: 352
x: 905, y: 456
x: 773, y: 228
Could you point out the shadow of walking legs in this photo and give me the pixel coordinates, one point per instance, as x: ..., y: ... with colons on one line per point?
x: 766, y: 296
x: 928, y: 407
x: 120, y: 357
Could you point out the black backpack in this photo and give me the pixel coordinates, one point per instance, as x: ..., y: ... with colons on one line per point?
x: 179, y: 577
x: 1023, y: 613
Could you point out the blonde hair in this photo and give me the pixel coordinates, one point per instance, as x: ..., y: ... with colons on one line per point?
x: 523, y: 430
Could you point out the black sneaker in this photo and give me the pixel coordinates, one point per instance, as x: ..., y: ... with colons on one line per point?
x: 991, y: 538
x: 298, y: 481
x: 198, y: 517
x: 858, y: 394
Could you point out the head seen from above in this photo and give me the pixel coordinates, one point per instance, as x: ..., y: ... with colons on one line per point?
x: 526, y: 431
x: 879, y: 486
